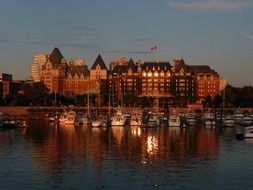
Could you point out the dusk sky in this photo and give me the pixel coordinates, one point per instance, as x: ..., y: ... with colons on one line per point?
x: 218, y: 33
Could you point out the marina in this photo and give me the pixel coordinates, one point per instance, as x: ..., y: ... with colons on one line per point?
x: 47, y: 155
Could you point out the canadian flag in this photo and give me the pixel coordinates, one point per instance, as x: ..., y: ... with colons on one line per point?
x: 153, y: 48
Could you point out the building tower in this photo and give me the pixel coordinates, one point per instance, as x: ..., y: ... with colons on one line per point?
x: 39, y: 61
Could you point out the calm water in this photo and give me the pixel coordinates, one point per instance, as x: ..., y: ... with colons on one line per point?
x: 56, y: 157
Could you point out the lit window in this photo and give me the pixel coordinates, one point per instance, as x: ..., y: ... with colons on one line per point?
x: 149, y: 74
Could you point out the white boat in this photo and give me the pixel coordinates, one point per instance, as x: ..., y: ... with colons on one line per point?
x: 191, y: 119
x: 153, y: 121
x: 70, y: 118
x: 209, y: 119
x: 99, y: 122
x: 62, y: 117
x: 136, y: 120
x: 174, y: 121
x: 238, y: 117
x: 118, y: 119
x: 228, y: 121
x: 246, y: 120
x: 248, y: 132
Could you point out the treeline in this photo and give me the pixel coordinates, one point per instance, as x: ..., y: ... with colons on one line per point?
x: 37, y: 94
x: 238, y: 97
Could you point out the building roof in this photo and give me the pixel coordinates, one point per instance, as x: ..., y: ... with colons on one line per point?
x: 119, y: 69
x: 159, y: 66
x: 202, y: 69
x: 78, y: 69
x: 99, y: 61
x: 55, y: 56
x: 180, y: 64
x: 131, y: 66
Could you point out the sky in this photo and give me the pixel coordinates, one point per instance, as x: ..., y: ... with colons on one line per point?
x: 218, y: 33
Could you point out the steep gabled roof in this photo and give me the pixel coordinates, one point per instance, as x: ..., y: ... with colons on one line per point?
x: 55, y: 56
x: 131, y: 66
x: 119, y: 69
x: 99, y: 61
x: 180, y: 64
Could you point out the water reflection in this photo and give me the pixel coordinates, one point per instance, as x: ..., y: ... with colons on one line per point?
x: 55, y: 151
x: 59, y: 147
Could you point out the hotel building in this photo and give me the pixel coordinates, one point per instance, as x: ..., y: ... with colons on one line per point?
x: 39, y: 61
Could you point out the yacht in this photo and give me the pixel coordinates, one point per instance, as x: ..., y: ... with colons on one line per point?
x: 118, y: 119
x: 100, y: 121
x: 228, y: 121
x: 174, y: 121
x: 70, y: 118
x: 136, y: 119
x: 153, y: 121
x: 209, y: 119
x: 191, y: 119
x: 248, y: 132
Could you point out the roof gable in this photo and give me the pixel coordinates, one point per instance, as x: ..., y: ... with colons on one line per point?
x: 99, y: 61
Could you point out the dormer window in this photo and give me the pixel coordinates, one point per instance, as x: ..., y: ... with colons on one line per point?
x: 182, y: 71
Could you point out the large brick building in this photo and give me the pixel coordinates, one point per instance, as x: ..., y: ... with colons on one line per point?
x: 130, y: 83
x: 54, y: 71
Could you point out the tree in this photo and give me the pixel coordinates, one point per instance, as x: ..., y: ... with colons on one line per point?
x: 217, y: 101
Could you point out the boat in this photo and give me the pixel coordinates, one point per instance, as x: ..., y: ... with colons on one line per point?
x: 191, y: 119
x: 174, y: 121
x: 136, y: 119
x: 238, y: 117
x: 228, y: 121
x: 81, y: 118
x: 246, y: 121
x: 100, y: 121
x: 209, y: 119
x: 70, y: 118
x: 118, y: 119
x: 9, y: 123
x: 153, y: 121
x: 248, y: 132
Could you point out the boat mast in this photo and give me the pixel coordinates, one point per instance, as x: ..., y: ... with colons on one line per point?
x: 88, y: 97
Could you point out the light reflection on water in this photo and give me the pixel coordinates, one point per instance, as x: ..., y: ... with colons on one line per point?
x: 46, y: 156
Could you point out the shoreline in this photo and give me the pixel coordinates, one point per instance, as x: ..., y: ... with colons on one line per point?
x: 28, y: 110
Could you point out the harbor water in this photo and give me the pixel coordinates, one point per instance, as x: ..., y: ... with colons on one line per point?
x: 48, y: 156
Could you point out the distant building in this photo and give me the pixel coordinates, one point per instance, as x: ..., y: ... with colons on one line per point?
x: 123, y: 82
x: 77, y: 78
x: 1, y: 89
x: 183, y: 84
x: 39, y: 61
x: 119, y: 61
x: 127, y: 82
x: 208, y: 81
x: 98, y: 70
x: 156, y: 79
x: 6, y: 80
x: 5, y: 77
x: 223, y: 84
x: 54, y: 72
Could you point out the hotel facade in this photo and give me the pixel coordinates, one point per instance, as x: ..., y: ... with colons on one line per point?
x: 130, y: 83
